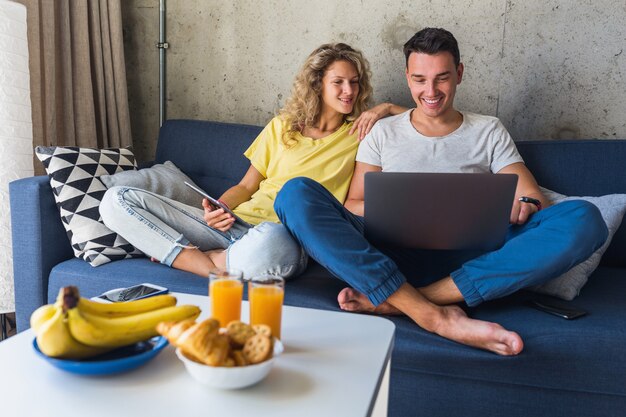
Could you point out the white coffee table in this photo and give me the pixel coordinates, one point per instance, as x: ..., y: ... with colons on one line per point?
x: 334, y: 364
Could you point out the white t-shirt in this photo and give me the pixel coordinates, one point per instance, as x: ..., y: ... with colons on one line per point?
x: 481, y: 144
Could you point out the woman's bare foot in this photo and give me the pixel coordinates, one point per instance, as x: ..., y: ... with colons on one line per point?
x: 455, y: 325
x: 350, y: 299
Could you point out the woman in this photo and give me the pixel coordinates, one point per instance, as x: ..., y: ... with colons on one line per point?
x: 314, y: 136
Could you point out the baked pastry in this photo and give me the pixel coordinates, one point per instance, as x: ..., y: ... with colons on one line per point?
x: 197, y: 341
x: 263, y: 329
x: 239, y: 358
x: 172, y: 330
x: 239, y: 332
x: 257, y: 349
x: 218, y: 351
x: 239, y: 345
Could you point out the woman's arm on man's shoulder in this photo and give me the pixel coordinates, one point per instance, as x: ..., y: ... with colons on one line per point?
x: 363, y: 124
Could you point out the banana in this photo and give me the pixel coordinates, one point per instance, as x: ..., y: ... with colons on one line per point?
x: 101, y: 331
x: 40, y: 316
x: 74, y: 327
x: 55, y: 340
x: 126, y: 308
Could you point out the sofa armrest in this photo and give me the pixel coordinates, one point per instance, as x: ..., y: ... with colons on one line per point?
x: 39, y: 243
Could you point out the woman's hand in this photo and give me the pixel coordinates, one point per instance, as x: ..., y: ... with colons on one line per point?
x: 217, y: 218
x: 368, y: 118
x: 363, y: 124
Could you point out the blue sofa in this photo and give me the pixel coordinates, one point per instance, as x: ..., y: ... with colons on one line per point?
x: 568, y: 368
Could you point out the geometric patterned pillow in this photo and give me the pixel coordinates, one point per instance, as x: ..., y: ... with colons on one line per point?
x: 77, y: 191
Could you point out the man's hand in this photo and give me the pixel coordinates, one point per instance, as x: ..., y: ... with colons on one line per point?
x: 522, y: 211
x: 217, y: 218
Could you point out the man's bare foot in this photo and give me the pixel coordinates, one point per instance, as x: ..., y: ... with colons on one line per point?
x: 350, y: 299
x: 455, y: 325
x: 452, y: 323
x: 217, y: 256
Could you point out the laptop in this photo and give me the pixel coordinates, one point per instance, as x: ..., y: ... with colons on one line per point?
x: 438, y: 210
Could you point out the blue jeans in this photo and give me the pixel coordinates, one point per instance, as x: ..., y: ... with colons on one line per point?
x: 161, y: 227
x: 550, y: 243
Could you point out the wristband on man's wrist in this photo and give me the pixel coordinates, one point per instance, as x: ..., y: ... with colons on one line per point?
x: 531, y: 200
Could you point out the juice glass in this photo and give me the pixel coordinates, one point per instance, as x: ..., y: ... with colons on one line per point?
x: 266, y: 294
x: 226, y: 291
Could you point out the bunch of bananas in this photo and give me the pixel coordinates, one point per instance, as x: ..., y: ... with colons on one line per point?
x: 75, y: 327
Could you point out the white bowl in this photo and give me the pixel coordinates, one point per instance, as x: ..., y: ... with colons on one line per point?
x: 230, y: 378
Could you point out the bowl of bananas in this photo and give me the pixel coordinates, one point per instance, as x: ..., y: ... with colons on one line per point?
x: 233, y: 357
x: 116, y: 361
x: 82, y: 336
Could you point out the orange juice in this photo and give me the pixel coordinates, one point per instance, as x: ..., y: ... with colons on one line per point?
x: 226, y: 300
x: 266, y: 305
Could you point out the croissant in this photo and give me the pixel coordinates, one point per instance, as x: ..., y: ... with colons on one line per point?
x: 197, y: 340
x: 173, y: 329
x: 219, y: 352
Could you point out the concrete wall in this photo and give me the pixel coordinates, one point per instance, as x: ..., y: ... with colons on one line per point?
x: 548, y: 68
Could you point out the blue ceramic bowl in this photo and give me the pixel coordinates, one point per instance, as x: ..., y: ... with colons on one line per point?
x: 118, y: 360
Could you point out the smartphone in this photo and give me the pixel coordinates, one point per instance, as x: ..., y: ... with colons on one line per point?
x: 217, y: 203
x: 559, y: 309
x: 135, y: 292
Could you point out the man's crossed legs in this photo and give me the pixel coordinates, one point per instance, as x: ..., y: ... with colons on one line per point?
x: 550, y: 243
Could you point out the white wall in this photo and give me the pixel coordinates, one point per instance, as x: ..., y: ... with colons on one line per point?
x: 549, y: 69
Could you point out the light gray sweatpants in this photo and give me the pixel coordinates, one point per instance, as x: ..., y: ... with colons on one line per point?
x: 161, y: 227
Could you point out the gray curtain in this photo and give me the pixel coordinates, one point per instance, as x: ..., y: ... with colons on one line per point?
x: 78, y: 78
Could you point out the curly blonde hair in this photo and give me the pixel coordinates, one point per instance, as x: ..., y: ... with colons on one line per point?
x: 304, y: 106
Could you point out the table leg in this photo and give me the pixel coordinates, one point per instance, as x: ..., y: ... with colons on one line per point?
x: 382, y: 400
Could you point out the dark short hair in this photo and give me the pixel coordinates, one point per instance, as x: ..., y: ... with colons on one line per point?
x: 432, y: 41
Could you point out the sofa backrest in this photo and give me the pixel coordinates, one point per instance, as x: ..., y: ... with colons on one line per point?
x: 210, y: 153
x: 577, y: 167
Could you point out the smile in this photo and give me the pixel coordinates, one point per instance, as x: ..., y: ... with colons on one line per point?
x: 432, y: 101
x: 346, y: 102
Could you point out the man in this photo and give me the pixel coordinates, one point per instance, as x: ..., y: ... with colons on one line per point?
x: 542, y: 242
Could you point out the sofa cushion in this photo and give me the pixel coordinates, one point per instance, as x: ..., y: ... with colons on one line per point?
x: 92, y: 282
x: 78, y: 191
x: 164, y: 179
x: 567, y: 286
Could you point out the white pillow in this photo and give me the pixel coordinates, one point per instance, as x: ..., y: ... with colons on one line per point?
x: 164, y: 179
x: 567, y: 286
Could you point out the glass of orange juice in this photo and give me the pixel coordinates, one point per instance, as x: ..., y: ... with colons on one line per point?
x: 226, y: 291
x: 266, y: 293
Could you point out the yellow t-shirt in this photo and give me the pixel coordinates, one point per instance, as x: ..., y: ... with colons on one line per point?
x: 329, y: 161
